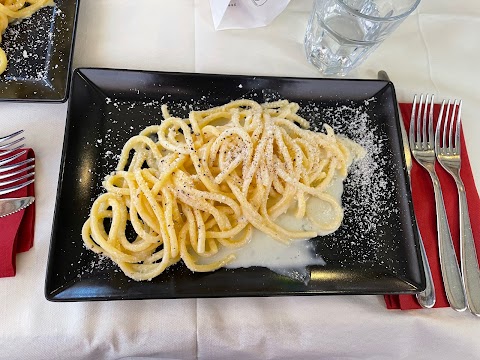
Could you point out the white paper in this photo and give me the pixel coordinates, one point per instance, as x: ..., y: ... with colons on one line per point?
x: 245, y: 14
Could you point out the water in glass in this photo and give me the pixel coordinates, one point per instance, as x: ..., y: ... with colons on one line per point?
x: 342, y: 33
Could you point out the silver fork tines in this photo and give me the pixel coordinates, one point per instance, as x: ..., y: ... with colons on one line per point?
x: 447, y: 148
x: 14, y: 175
x: 421, y: 138
x: 9, y: 145
x: 11, y: 136
x: 5, y: 160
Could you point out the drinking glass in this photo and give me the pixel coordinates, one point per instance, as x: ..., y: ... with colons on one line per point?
x: 342, y: 33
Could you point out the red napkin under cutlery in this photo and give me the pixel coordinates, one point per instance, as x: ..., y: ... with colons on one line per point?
x: 17, y: 230
x: 424, y: 204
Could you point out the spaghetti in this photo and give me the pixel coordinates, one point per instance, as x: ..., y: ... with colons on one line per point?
x: 15, y: 10
x: 188, y: 187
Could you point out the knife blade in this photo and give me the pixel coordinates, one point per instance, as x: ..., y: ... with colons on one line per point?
x: 427, y: 297
x: 12, y: 205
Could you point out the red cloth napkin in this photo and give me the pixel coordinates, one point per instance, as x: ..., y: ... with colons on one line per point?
x: 424, y: 204
x: 17, y: 230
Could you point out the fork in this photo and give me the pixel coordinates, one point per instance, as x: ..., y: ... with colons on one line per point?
x: 447, y: 148
x: 5, y: 147
x: 17, y: 175
x: 422, y: 146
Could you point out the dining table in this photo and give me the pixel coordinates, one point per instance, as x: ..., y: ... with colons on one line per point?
x: 435, y: 50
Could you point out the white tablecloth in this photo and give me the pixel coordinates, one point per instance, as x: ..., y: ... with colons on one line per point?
x: 435, y: 50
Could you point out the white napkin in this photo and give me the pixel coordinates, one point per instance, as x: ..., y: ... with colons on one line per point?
x: 245, y: 14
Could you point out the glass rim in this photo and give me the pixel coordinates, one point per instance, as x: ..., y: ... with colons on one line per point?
x: 375, y: 18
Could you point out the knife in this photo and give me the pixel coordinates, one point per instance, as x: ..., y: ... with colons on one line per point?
x: 12, y: 205
x: 425, y: 298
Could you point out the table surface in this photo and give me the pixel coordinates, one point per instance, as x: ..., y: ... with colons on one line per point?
x: 435, y: 50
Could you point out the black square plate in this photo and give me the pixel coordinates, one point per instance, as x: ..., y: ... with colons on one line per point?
x: 375, y: 251
x: 39, y: 52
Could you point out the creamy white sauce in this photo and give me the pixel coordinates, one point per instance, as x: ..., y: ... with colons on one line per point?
x: 262, y: 250
x: 291, y: 260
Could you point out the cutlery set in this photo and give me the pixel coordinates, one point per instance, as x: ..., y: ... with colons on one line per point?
x: 14, y: 174
x: 462, y: 285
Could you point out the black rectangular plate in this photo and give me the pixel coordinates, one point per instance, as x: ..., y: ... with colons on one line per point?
x: 375, y: 251
x: 39, y: 52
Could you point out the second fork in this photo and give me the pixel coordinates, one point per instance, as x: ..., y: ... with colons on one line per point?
x: 447, y: 148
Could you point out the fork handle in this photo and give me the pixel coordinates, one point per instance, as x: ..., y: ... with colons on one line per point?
x: 468, y: 255
x: 452, y: 278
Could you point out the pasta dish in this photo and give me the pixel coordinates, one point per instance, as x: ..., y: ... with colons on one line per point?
x: 15, y: 10
x: 186, y: 188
